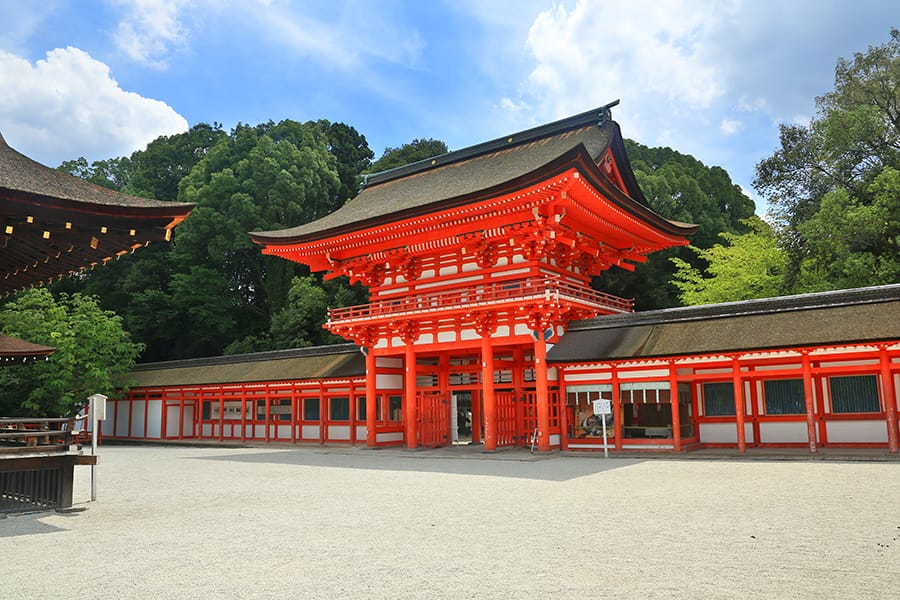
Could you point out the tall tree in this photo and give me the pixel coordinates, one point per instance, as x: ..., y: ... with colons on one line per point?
x: 682, y: 188
x: 828, y: 177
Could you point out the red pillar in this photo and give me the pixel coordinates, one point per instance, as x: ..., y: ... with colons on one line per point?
x: 806, y: 369
x: 890, y: 398
x: 487, y: 386
x: 676, y: 413
x: 618, y: 413
x: 563, y: 417
x: 371, y: 398
x: 410, y: 394
x: 543, y: 397
x: 739, y: 404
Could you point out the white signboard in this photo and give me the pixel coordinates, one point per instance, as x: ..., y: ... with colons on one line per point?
x: 602, y: 407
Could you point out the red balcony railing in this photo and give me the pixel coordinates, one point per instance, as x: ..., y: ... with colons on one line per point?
x: 484, y: 295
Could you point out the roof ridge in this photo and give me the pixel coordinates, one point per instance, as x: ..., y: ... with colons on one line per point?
x: 809, y: 301
x: 249, y: 357
x: 597, y: 116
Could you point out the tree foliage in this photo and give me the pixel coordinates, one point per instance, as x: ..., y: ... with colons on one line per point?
x: 92, y: 349
x: 416, y: 150
x: 681, y: 188
x: 831, y: 184
x: 745, y: 266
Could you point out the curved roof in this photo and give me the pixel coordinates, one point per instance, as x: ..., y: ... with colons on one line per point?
x: 54, y: 224
x: 16, y: 350
x: 482, y: 171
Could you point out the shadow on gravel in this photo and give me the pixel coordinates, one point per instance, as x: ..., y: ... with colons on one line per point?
x: 516, y: 463
x: 16, y: 524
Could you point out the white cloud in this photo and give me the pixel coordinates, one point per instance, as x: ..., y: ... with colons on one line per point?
x: 730, y: 126
x: 636, y: 51
x: 149, y: 29
x: 68, y: 105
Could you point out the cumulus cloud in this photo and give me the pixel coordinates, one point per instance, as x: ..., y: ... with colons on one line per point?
x: 148, y: 30
x: 600, y: 51
x: 68, y: 105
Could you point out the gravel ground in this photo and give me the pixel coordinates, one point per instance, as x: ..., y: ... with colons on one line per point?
x: 203, y: 523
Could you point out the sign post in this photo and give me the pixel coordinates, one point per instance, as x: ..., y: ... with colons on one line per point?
x: 97, y: 410
x: 603, y: 408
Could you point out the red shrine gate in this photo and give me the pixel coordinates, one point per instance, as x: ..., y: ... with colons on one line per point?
x: 474, y: 261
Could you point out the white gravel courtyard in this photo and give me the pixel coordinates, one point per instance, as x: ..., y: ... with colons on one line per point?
x: 288, y: 522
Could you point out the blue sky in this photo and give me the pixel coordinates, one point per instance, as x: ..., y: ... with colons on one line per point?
x: 711, y: 78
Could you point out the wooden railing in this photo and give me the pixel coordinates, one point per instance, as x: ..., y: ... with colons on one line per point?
x: 482, y: 295
x: 37, y: 461
x: 17, y: 432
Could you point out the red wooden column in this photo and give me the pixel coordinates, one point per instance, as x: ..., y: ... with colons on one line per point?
x: 676, y: 413
x: 563, y: 417
x: 739, y: 404
x: 618, y: 413
x: 371, y: 398
x: 409, y: 385
x: 890, y: 398
x: 806, y: 369
x: 487, y: 390
x: 543, y: 397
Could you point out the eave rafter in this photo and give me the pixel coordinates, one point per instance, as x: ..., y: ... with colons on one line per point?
x: 39, y: 246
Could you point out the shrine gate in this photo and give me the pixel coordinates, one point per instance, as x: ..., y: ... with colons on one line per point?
x: 476, y: 260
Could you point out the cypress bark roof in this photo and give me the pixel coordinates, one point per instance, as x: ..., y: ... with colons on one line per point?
x: 829, y: 318
x: 320, y: 362
x: 54, y: 224
x: 480, y: 172
x: 16, y: 350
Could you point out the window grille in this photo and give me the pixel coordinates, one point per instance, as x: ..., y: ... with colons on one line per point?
x: 854, y: 394
x: 784, y: 397
x: 718, y: 399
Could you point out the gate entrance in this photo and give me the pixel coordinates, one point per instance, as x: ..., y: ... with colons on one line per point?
x: 433, y: 412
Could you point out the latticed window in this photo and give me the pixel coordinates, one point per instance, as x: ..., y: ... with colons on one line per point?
x: 310, y: 409
x: 718, y: 399
x: 784, y: 397
x: 855, y: 394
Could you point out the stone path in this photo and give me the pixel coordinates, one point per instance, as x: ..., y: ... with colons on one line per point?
x: 202, y: 522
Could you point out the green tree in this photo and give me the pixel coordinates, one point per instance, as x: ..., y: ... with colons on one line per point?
x: 113, y: 173
x: 823, y: 177
x: 678, y: 187
x: 746, y: 266
x: 92, y: 348
x: 416, y: 150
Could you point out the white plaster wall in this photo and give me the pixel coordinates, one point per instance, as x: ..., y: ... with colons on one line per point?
x: 783, y: 431
x: 259, y: 432
x: 361, y: 432
x: 310, y: 432
x: 206, y: 430
x: 284, y: 432
x: 106, y: 427
x: 172, y: 423
x: 188, y: 421
x: 338, y: 432
x: 856, y: 431
x: 389, y: 381
x: 389, y: 436
x: 723, y: 433
x: 154, y: 419
x: 122, y: 418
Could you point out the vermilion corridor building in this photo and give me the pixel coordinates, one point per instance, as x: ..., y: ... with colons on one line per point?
x: 482, y: 326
